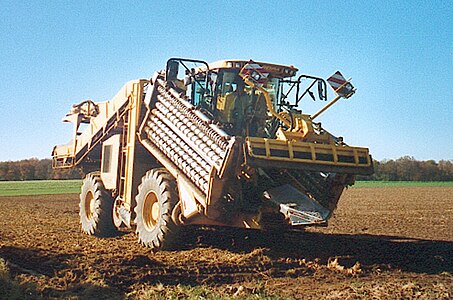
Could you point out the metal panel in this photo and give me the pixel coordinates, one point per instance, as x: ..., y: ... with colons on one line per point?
x: 110, y: 158
x: 262, y: 152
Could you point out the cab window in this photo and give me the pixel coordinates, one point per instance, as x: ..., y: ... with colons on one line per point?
x: 198, y: 91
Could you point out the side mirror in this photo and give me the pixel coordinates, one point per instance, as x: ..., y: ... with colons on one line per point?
x: 322, y: 88
x: 321, y: 91
x: 172, y: 70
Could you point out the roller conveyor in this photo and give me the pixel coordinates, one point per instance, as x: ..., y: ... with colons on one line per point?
x: 186, y: 136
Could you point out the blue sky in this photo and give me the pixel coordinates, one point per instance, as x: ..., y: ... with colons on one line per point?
x: 399, y: 53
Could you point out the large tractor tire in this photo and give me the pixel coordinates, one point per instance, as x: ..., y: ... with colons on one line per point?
x: 96, y: 206
x: 156, y: 198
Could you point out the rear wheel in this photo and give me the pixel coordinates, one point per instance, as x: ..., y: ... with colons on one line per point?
x: 96, y: 206
x: 156, y: 199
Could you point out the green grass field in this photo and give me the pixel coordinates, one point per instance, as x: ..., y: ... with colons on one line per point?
x: 382, y: 184
x: 39, y: 187
x: 52, y: 187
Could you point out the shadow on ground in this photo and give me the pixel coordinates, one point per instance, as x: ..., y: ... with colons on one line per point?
x: 406, y: 254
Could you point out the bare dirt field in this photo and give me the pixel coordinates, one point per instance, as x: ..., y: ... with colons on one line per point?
x: 382, y: 243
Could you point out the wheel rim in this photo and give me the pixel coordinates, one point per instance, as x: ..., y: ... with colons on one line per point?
x: 151, y: 210
x: 117, y: 221
x: 89, y: 205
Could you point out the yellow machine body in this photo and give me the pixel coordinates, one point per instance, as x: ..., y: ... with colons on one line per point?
x: 237, y: 156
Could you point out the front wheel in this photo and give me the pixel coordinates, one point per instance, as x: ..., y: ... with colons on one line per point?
x: 96, y: 206
x: 155, y: 200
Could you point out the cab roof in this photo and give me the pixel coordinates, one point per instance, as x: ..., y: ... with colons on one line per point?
x: 279, y: 71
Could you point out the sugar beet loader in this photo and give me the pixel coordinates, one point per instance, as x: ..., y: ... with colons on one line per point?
x: 225, y: 144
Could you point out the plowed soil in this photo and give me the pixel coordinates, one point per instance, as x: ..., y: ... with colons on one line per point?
x: 381, y: 243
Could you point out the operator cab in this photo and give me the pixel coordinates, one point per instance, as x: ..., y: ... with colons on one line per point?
x: 219, y: 91
x: 239, y: 107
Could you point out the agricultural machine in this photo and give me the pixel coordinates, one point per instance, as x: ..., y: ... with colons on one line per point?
x: 222, y: 144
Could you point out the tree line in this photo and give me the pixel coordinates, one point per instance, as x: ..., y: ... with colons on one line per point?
x: 35, y: 169
x: 405, y: 168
